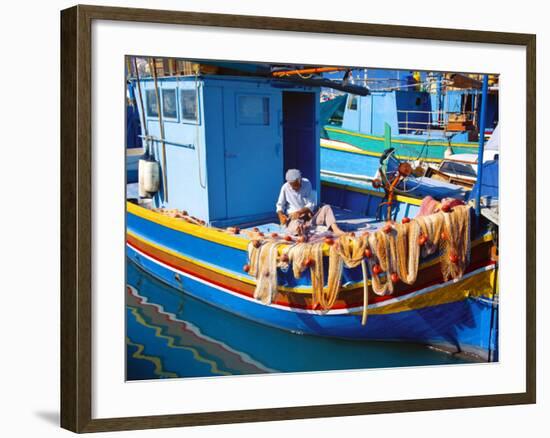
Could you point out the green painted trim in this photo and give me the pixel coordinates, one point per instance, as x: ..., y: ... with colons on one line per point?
x: 411, y: 142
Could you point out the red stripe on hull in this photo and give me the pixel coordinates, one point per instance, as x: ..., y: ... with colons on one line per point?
x: 351, y: 298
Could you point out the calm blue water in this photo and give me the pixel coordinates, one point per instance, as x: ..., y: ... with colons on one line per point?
x: 170, y: 334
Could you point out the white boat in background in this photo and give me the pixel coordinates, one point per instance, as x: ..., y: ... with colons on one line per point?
x: 462, y: 169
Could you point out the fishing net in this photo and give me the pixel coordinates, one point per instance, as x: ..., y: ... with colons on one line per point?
x: 263, y: 266
x: 394, y: 254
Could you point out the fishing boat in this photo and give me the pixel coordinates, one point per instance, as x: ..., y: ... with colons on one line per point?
x: 427, y: 123
x: 203, y: 221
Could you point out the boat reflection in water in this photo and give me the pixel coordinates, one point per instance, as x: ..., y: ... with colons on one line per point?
x: 171, y: 335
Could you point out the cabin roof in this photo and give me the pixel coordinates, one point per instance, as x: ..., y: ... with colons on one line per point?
x: 276, y: 82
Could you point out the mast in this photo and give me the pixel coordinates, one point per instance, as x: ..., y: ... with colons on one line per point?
x: 481, y: 143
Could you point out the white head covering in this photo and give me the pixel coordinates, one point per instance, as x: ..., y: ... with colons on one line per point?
x: 293, y: 175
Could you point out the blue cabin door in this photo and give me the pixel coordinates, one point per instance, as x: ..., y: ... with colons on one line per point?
x: 253, y: 152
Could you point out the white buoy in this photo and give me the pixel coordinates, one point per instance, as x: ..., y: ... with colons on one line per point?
x: 148, y: 177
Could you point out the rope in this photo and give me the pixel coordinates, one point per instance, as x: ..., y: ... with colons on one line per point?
x: 381, y: 250
x: 351, y: 249
x: 409, y: 251
x: 197, y: 129
x: 347, y: 251
x: 365, y: 293
x: 398, y: 251
x: 456, y: 247
x: 153, y: 68
x: 264, y: 269
x: 335, y: 268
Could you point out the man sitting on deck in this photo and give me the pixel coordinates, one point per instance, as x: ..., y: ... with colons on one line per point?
x: 297, y: 201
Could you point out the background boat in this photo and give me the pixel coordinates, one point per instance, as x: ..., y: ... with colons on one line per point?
x: 430, y: 118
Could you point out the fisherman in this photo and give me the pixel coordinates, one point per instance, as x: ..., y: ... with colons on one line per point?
x: 296, y: 206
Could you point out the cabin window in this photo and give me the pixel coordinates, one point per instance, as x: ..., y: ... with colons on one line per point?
x: 169, y: 108
x: 151, y: 101
x: 253, y: 110
x: 352, y: 103
x: 189, y: 110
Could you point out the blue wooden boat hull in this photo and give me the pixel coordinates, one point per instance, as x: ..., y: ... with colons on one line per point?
x: 463, y: 326
x: 467, y: 325
x: 178, y: 329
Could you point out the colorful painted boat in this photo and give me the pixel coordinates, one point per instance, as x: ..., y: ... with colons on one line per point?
x: 207, y: 264
x: 240, y: 133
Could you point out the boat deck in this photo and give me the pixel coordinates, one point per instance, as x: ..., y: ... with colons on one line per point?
x: 347, y: 220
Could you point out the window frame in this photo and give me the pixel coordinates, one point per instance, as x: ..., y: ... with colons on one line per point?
x: 148, y: 92
x: 238, y: 119
x: 164, y: 116
x: 183, y: 119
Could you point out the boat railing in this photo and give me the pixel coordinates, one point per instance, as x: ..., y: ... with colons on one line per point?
x: 411, y: 121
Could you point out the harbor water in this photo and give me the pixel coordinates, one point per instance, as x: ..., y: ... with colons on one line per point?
x: 172, y: 335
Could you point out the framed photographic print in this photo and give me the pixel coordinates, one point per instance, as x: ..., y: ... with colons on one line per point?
x: 284, y: 218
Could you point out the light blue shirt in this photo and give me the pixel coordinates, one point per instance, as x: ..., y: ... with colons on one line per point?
x: 291, y: 200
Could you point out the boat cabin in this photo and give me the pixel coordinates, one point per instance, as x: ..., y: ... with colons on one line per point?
x: 411, y: 112
x: 404, y: 111
x: 223, y: 143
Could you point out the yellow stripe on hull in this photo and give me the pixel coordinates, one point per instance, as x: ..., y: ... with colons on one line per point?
x: 245, y: 279
x: 479, y: 285
x: 226, y: 273
x: 211, y: 234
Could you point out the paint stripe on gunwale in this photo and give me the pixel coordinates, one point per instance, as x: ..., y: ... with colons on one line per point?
x: 138, y: 241
x: 218, y: 236
x: 399, y: 140
x: 348, y: 310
